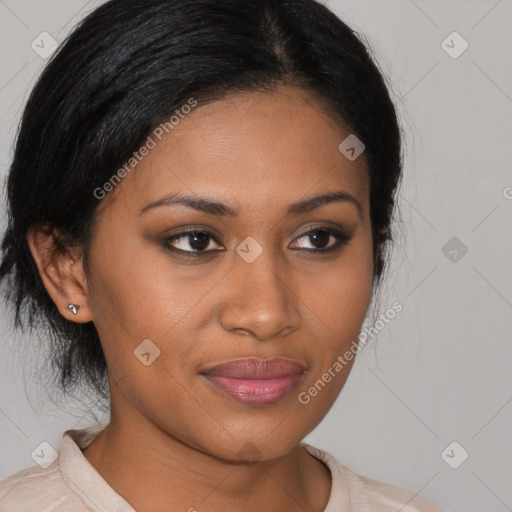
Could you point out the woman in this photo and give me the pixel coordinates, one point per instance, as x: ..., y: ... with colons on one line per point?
x: 200, y: 204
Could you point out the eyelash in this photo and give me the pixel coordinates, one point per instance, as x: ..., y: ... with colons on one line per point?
x: 341, y: 238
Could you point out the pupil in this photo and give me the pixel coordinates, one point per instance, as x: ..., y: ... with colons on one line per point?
x: 319, y: 237
x: 199, y: 241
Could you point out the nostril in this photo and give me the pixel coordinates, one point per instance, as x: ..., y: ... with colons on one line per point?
x: 244, y: 332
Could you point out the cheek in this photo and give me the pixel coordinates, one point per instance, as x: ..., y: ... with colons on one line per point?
x: 340, y: 295
x: 141, y: 295
x: 338, y: 301
x: 339, y: 304
x: 146, y: 314
x: 135, y: 289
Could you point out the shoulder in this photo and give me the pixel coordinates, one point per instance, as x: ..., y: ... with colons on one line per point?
x: 364, y: 494
x: 392, y: 498
x: 67, y: 483
x: 35, y: 489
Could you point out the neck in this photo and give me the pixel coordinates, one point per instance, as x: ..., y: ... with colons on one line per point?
x: 150, y: 469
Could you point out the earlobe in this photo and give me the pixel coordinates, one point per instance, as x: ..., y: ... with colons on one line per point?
x: 61, y: 271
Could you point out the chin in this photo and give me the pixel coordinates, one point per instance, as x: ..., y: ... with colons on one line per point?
x: 255, y: 446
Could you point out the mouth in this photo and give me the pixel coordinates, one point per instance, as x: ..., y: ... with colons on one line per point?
x: 253, y: 381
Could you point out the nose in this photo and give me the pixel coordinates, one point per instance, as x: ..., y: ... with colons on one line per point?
x: 260, y: 300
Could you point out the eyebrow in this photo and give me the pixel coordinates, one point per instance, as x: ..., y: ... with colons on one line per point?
x: 213, y: 207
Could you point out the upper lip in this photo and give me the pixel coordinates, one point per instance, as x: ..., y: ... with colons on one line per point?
x: 254, y: 368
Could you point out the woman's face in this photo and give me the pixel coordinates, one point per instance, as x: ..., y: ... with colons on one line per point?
x: 248, y: 285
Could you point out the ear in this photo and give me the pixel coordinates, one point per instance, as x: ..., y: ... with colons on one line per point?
x: 62, y: 273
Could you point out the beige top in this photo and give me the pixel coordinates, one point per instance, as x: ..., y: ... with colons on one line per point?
x: 71, y: 484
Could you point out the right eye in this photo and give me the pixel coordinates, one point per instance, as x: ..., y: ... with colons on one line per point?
x: 191, y: 243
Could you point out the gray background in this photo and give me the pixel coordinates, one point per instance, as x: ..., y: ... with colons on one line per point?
x: 440, y: 371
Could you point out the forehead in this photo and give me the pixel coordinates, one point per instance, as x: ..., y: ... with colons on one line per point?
x: 257, y: 148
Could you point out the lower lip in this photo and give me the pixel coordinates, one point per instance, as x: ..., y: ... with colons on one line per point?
x: 254, y: 391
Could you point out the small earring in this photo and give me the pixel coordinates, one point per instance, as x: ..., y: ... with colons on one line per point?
x: 73, y: 308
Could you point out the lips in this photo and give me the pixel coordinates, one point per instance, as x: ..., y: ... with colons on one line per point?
x: 255, y: 381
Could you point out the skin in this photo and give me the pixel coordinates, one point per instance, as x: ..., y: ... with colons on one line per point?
x: 258, y: 152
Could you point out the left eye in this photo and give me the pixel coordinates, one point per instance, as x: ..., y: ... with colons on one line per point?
x: 318, y: 239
